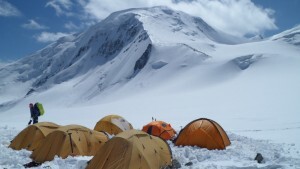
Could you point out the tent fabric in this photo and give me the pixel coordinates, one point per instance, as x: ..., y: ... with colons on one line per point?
x: 132, y: 149
x: 113, y: 124
x: 69, y: 140
x: 160, y: 129
x: 204, y: 133
x: 31, y: 136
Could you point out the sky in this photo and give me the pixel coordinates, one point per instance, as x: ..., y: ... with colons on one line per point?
x: 27, y: 26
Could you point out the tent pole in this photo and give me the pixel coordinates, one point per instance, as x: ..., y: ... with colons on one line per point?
x: 71, y: 142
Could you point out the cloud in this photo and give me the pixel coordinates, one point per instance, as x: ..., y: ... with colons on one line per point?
x: 71, y: 26
x: 66, y: 7
x: 236, y: 17
x: 61, y: 7
x: 4, y: 63
x: 75, y: 9
x: 6, y: 9
x: 47, y: 37
x: 32, y: 24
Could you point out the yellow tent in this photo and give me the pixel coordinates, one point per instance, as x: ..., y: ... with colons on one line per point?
x: 113, y: 124
x: 132, y: 149
x: 204, y: 133
x: 31, y: 136
x: 69, y: 140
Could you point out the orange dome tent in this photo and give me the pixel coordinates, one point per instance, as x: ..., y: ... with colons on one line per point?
x: 204, y: 133
x: 160, y: 129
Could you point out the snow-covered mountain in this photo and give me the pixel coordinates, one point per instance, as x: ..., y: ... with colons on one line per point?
x: 291, y: 36
x: 157, y: 62
x: 114, y: 51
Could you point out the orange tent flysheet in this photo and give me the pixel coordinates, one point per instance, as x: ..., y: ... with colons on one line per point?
x: 204, y: 133
x: 160, y: 129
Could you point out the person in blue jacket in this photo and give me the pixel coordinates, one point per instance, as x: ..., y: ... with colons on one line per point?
x: 34, y: 114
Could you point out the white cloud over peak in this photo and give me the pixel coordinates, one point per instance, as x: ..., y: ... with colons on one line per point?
x: 46, y: 37
x: 7, y: 9
x: 236, y: 17
x: 32, y: 24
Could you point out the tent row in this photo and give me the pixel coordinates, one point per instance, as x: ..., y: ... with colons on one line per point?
x: 48, y: 139
x: 203, y: 132
x: 129, y: 148
x: 132, y: 149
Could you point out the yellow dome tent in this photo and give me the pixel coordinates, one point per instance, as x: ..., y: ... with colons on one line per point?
x: 31, y: 136
x: 69, y: 140
x: 204, y: 133
x: 132, y: 149
x: 113, y: 124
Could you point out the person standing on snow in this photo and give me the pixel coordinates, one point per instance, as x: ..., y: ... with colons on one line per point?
x: 34, y: 114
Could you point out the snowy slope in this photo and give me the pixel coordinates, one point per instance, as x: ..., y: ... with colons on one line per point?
x: 155, y: 62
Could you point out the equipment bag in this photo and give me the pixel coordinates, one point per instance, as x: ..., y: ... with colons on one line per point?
x: 40, y: 108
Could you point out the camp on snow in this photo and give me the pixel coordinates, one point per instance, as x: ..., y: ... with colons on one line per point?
x: 129, y: 148
x: 132, y: 149
x: 113, y: 124
x: 204, y: 133
x: 69, y: 140
x: 31, y: 136
x: 160, y: 129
